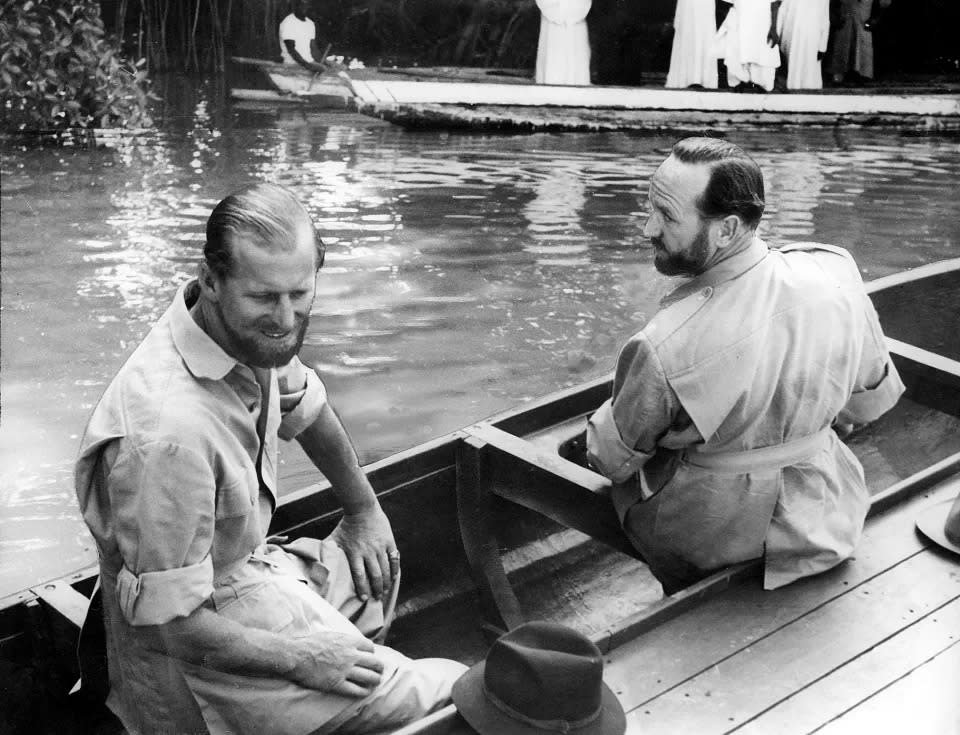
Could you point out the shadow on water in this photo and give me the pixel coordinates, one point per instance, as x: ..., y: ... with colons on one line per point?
x: 466, y: 273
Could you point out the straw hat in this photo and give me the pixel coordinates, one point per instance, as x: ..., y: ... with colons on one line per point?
x: 539, y: 678
x: 941, y: 523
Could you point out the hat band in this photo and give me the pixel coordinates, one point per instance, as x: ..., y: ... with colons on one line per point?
x: 555, y: 725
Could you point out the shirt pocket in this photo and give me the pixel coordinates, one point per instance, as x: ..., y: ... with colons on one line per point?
x: 237, y: 494
x: 262, y: 606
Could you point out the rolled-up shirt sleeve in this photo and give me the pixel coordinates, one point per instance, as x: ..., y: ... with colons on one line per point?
x: 878, y: 385
x: 163, y: 497
x: 622, y: 435
x: 302, y: 407
x: 606, y: 449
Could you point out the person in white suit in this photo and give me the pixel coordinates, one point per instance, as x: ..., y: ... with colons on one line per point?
x: 563, y: 51
x: 748, y: 43
x: 804, y: 27
x: 693, y: 58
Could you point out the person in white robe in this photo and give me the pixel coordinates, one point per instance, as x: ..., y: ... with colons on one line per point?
x: 693, y: 58
x: 748, y: 42
x: 804, y: 28
x: 563, y: 51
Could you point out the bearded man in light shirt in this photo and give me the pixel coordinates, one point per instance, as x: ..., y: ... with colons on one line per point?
x: 721, y: 434
x: 210, y: 626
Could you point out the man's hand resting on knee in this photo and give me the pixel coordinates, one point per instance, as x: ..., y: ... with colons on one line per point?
x: 337, y: 662
x: 326, y: 660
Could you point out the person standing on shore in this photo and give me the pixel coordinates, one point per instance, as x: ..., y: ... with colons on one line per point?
x: 804, y: 27
x: 851, y: 46
x: 563, y: 49
x: 209, y: 625
x: 693, y: 57
x: 748, y: 44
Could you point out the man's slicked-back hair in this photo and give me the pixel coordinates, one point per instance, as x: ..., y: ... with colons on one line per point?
x: 268, y: 214
x: 736, y: 181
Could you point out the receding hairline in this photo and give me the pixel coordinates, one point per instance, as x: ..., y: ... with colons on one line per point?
x: 730, y: 163
x: 266, y: 215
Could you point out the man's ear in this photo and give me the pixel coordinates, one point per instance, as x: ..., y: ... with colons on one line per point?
x: 209, y: 282
x: 727, y: 230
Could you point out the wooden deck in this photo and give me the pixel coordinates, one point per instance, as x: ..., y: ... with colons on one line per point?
x: 535, y: 107
x: 824, y: 651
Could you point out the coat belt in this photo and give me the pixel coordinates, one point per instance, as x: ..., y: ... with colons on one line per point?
x: 770, y: 458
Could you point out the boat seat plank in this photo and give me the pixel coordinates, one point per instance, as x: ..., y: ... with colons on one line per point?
x: 491, y: 464
x: 563, y: 491
x: 935, y: 363
x: 925, y: 702
x: 868, y: 674
x: 737, y: 688
x: 744, y: 613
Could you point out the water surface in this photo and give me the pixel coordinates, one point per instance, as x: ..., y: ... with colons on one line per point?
x: 465, y: 274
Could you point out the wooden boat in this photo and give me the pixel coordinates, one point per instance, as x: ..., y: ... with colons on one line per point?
x: 486, y: 106
x: 495, y: 527
x: 293, y: 83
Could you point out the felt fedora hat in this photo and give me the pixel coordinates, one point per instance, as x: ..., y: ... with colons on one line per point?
x: 941, y: 523
x: 539, y: 678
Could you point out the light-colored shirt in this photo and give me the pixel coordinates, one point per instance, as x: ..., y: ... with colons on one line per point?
x: 301, y: 32
x: 178, y: 493
x: 718, y: 429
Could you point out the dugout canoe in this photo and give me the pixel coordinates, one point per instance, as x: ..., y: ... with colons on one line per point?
x: 292, y: 83
x: 495, y: 527
x: 533, y: 107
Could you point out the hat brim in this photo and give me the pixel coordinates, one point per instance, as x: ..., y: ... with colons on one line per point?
x: 487, y: 719
x: 932, y: 522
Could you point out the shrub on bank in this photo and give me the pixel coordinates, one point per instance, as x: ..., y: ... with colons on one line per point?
x: 58, y: 70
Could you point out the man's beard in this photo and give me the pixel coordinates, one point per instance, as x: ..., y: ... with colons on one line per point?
x: 262, y: 352
x: 691, y: 262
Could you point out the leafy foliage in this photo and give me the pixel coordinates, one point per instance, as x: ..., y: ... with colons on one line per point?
x: 59, y: 70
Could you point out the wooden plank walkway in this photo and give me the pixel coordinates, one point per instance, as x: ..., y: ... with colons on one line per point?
x: 640, y: 98
x: 827, y: 651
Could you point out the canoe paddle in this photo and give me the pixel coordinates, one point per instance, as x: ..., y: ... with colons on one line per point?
x: 323, y: 58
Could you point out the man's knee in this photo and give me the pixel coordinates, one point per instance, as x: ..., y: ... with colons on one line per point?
x: 414, y: 689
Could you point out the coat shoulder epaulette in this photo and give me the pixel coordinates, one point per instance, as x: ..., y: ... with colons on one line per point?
x: 677, y: 313
x: 808, y: 246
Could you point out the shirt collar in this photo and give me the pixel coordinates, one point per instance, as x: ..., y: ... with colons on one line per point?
x: 203, y: 357
x: 726, y: 270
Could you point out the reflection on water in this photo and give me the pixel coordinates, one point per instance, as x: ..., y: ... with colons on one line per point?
x: 466, y: 274
x: 554, y: 218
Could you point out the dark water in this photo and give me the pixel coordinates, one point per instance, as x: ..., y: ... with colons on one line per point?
x: 466, y: 273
